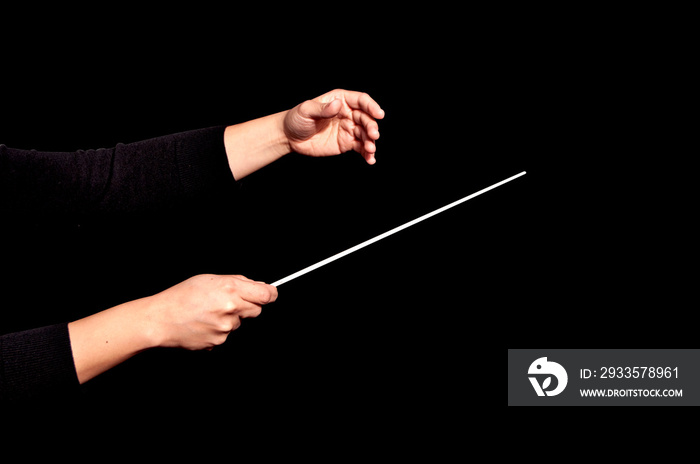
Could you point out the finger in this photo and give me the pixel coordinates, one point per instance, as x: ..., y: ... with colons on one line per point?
x: 362, y: 101
x: 229, y: 323
x: 256, y: 292
x: 368, y: 144
x: 331, y: 109
x: 240, y: 309
x: 359, y: 147
x: 242, y: 277
x: 249, y: 311
x: 312, y: 109
x: 367, y: 122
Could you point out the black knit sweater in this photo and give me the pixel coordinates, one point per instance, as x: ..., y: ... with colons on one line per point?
x: 135, y: 177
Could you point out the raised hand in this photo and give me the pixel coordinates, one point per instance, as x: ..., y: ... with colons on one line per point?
x: 335, y: 122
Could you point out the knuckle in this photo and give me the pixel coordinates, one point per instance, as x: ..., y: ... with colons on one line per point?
x: 229, y: 325
x: 229, y: 284
x: 230, y: 306
x: 224, y: 327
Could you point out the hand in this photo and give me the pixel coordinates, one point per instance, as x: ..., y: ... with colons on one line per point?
x: 336, y: 122
x: 200, y: 312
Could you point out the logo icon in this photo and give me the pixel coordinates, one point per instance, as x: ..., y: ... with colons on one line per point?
x: 546, y: 370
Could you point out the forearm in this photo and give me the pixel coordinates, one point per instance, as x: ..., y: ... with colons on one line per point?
x: 196, y: 314
x: 148, y: 175
x: 254, y: 144
x: 108, y: 338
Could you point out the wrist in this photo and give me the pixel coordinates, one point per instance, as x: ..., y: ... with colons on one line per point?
x: 282, y: 141
x: 254, y: 144
x: 153, y: 329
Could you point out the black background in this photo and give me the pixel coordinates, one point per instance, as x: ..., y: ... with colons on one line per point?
x: 582, y: 251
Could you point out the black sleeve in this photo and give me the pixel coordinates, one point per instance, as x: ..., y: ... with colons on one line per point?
x: 37, y: 363
x: 132, y: 177
x: 129, y: 178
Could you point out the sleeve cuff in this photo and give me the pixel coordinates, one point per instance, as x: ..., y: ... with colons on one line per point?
x: 202, y: 161
x: 37, y: 362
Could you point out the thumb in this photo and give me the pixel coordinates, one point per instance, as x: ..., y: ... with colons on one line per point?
x: 317, y: 110
x: 331, y: 109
